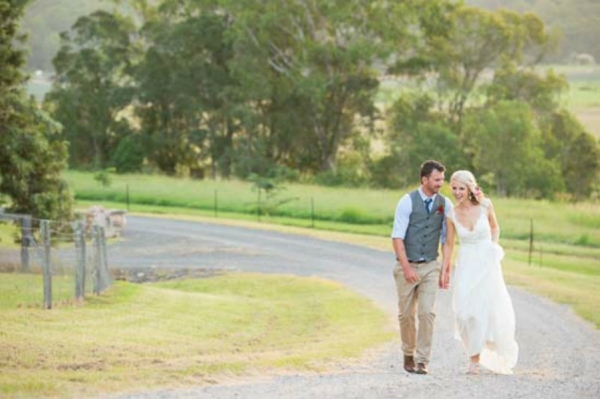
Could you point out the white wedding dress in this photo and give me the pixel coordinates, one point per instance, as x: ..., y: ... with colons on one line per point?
x: 485, y: 318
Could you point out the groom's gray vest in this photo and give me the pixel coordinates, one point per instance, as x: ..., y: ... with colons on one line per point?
x: 424, y: 229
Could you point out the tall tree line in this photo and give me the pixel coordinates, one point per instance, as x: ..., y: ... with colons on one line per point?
x: 289, y: 88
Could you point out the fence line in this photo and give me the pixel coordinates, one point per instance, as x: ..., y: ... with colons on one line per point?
x: 57, y: 250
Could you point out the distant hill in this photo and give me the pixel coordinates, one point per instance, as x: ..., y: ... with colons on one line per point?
x: 577, y: 20
x: 45, y: 19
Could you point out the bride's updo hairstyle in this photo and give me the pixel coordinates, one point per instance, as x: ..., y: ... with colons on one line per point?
x: 465, y: 177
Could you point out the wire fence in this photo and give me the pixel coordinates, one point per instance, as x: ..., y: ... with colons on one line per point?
x: 67, y: 259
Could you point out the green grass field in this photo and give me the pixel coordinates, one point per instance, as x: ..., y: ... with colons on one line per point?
x: 566, y: 236
x: 368, y: 211
x: 190, y: 331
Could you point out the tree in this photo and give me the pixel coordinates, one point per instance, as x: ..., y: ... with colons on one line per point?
x: 507, y: 152
x: 417, y: 133
x: 309, y: 68
x: 581, y: 170
x: 92, y: 86
x: 542, y: 93
x: 186, y: 95
x: 31, y: 160
x: 576, y: 152
x: 477, y: 41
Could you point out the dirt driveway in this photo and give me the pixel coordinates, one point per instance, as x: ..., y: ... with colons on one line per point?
x: 559, y: 353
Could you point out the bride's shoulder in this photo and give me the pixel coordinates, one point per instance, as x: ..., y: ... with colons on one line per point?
x: 450, y: 214
x: 486, y: 203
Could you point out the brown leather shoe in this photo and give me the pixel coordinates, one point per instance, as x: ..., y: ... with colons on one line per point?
x: 409, y: 363
x: 421, y: 369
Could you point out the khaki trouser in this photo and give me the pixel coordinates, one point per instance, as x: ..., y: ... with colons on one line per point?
x: 413, y: 298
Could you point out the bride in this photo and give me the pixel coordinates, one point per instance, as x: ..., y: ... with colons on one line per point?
x: 485, y: 319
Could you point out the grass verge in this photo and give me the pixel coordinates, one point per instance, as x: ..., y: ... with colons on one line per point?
x: 190, y: 331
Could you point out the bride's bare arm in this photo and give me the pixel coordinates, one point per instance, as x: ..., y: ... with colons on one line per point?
x: 447, y: 251
x: 494, y: 226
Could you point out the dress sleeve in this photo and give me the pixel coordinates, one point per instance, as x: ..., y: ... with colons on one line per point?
x: 450, y: 215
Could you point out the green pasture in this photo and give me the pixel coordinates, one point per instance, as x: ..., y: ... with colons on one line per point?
x: 299, y: 201
x: 584, y: 94
x: 367, y: 211
x: 190, y: 331
x: 566, y: 236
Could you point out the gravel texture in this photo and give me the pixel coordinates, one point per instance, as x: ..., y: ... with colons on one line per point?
x: 559, y: 352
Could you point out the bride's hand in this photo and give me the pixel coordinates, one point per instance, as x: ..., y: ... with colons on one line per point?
x: 444, y: 282
x: 478, y: 193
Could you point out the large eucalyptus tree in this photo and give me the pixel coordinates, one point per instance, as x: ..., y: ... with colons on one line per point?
x: 186, y: 95
x: 308, y: 68
x: 93, y: 87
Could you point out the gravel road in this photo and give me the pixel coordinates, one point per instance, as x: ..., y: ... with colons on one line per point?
x: 559, y: 352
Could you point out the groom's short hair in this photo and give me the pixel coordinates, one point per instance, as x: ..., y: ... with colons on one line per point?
x: 429, y: 166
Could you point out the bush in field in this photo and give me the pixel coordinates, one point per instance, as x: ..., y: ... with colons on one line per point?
x: 129, y: 155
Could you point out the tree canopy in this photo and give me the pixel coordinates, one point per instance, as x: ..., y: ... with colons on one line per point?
x: 31, y: 159
x: 226, y: 88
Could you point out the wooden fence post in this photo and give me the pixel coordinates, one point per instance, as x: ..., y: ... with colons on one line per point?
x: 79, y: 238
x: 530, y: 242
x: 104, y: 260
x: 312, y: 212
x: 25, y: 241
x: 45, y: 233
x: 96, y: 258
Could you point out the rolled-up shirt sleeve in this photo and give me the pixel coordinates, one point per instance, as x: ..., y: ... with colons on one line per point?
x: 401, y: 217
x: 448, y: 206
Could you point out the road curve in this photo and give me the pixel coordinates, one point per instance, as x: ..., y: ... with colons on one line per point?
x: 559, y: 352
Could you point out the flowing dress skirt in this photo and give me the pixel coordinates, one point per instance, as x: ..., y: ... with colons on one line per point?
x: 485, y: 318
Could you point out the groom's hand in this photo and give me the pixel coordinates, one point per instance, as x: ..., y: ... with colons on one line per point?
x: 410, y: 275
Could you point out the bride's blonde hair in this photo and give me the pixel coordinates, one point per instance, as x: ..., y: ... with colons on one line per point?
x: 465, y: 177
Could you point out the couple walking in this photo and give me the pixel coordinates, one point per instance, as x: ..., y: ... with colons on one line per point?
x: 484, y: 315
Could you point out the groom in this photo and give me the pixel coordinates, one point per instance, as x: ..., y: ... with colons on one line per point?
x: 418, y: 227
